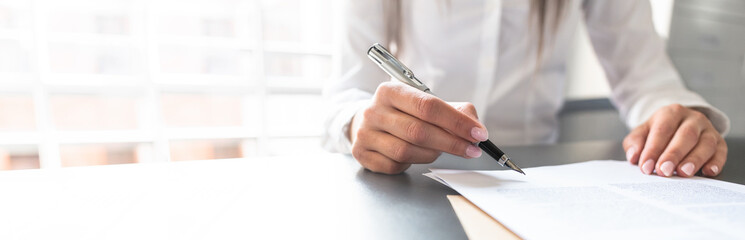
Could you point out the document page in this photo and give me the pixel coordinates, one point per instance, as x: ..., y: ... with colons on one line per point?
x: 603, y: 200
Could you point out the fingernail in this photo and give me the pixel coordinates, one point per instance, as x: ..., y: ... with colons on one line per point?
x: 715, y: 169
x: 648, y: 166
x: 473, y: 151
x: 687, y: 169
x: 630, y: 153
x: 667, y: 168
x: 479, y: 134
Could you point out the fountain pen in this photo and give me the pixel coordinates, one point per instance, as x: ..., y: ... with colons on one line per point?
x: 399, y: 71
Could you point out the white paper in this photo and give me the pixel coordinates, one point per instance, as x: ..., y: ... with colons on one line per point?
x: 603, y: 200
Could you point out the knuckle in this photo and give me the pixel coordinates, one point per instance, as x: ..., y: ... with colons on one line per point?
x: 402, y: 152
x: 657, y: 114
x: 461, y: 122
x: 676, y: 108
x: 653, y: 152
x: 369, y: 113
x: 362, y: 136
x: 689, y: 133
x: 709, y: 140
x: 653, y: 149
x: 456, y: 147
x: 431, y: 157
x: 723, y: 148
x: 674, y: 155
x: 630, y: 139
x: 695, y: 159
x: 469, y: 107
x: 698, y: 116
x: 665, y: 129
x: 416, y: 132
x: 626, y: 142
x: 698, y: 156
x: 384, y: 87
x: 357, y: 152
x: 425, y: 106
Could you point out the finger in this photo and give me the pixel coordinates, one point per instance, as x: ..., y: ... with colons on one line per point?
x: 701, y: 153
x: 423, y: 134
x: 431, y: 109
x: 379, y: 163
x: 467, y: 108
x: 716, y: 163
x: 661, y: 129
x: 683, y: 141
x: 633, y: 143
x: 398, y: 150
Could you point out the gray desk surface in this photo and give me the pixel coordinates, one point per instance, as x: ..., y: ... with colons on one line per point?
x: 314, y: 196
x: 432, y: 216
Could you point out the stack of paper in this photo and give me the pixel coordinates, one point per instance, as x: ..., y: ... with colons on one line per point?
x: 601, y: 200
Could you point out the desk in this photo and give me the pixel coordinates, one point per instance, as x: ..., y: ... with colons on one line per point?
x: 324, y: 195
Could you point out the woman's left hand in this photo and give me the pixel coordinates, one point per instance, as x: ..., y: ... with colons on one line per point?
x: 676, y: 139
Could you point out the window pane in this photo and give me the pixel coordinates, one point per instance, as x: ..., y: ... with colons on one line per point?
x: 194, y: 110
x: 13, y: 56
x: 318, y: 21
x: 250, y: 148
x: 88, y: 16
x: 75, y: 58
x: 199, y: 18
x: 93, y: 112
x: 17, y: 111
x: 194, y: 60
x: 298, y: 21
x: 103, y: 154
x: 197, y: 26
x: 7, y: 17
x: 294, y: 115
x: 19, y: 157
x: 283, y: 20
x: 286, y: 69
x: 115, y: 23
x: 203, y: 58
x: 182, y: 150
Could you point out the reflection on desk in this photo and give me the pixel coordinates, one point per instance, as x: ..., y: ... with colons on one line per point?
x: 325, y: 195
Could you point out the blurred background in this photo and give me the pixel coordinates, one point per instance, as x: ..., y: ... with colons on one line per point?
x: 96, y: 82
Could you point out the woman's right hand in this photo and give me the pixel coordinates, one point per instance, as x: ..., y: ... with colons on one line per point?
x: 405, y: 126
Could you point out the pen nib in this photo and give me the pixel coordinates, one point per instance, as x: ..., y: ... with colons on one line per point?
x: 512, y: 166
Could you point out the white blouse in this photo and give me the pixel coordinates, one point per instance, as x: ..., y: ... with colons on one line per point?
x: 485, y: 52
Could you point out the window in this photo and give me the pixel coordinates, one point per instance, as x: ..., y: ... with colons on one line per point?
x: 90, y: 82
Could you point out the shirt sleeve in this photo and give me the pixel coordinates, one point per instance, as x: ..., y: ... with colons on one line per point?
x: 355, y: 78
x: 639, y: 71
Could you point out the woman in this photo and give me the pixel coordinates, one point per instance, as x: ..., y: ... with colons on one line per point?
x: 506, y: 60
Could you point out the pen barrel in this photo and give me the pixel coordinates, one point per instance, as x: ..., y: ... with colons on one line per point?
x: 493, y: 151
x: 386, y: 61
